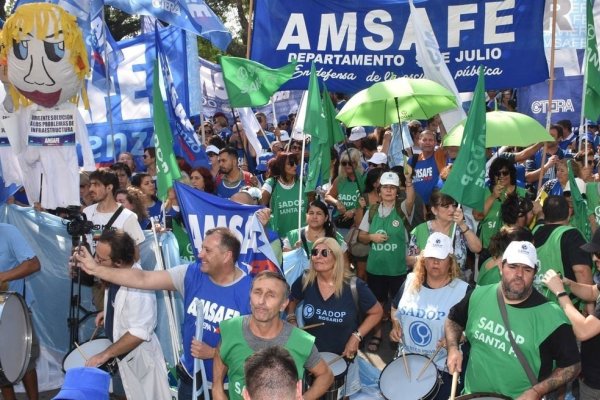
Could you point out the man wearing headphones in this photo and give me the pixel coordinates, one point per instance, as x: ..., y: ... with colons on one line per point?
x: 539, y: 328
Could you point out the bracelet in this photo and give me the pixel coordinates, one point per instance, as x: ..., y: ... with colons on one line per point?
x: 466, y: 230
x: 357, y: 335
x: 561, y: 294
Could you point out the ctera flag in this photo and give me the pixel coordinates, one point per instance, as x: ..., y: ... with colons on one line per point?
x: 250, y: 84
x: 466, y: 181
x: 591, y: 108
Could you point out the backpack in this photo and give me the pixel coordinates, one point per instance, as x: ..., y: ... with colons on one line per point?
x: 373, y: 209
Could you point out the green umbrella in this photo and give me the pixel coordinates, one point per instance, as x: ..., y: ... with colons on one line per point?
x: 403, y: 99
x: 504, y: 128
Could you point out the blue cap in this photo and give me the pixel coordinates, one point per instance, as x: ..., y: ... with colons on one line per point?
x: 84, y: 383
x: 589, y: 122
x: 282, y: 118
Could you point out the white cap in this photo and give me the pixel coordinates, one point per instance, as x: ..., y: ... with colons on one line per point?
x: 580, y: 185
x: 284, y: 136
x: 378, y: 158
x: 212, y: 149
x: 438, y: 246
x: 521, y: 253
x: 252, y: 191
x: 389, y: 178
x: 358, y: 132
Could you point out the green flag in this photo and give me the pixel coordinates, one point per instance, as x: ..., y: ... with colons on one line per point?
x: 591, y: 108
x: 466, y: 181
x: 580, y: 211
x: 167, y: 169
x: 316, y: 125
x: 335, y: 131
x: 250, y: 84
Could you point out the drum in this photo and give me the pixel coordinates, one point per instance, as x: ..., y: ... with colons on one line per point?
x: 483, y: 396
x: 394, y: 383
x: 75, y: 358
x: 339, y: 368
x: 15, y: 336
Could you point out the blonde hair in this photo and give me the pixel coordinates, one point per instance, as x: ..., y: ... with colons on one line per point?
x: 420, y: 272
x: 39, y: 16
x: 352, y: 155
x: 341, y: 275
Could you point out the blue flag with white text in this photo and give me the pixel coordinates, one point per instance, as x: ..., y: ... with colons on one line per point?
x: 203, y: 211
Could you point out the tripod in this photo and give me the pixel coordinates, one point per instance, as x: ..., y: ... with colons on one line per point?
x: 75, y: 308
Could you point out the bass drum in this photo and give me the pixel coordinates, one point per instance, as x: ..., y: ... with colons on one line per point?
x: 15, y: 336
x: 395, y: 384
x: 483, y: 396
x: 77, y: 356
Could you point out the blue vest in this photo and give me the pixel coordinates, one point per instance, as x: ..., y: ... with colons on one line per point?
x: 220, y: 303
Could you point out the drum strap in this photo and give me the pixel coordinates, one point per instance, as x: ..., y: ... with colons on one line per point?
x: 530, y: 375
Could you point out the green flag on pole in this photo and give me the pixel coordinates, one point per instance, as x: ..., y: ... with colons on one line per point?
x: 466, y: 181
x: 580, y: 210
x: 167, y: 169
x: 250, y: 84
x: 591, y: 108
x: 316, y: 126
x: 335, y: 131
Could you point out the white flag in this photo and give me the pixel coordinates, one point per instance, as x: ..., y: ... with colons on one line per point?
x: 251, y: 126
x: 433, y: 64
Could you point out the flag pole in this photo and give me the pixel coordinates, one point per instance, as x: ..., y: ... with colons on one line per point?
x: 108, y: 86
x: 301, y: 190
x: 550, y: 92
x: 250, y: 22
x: 582, y: 123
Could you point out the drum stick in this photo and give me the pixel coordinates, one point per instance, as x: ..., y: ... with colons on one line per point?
x: 95, y: 331
x: 333, y: 360
x: 313, y: 326
x: 429, y: 362
x: 80, y: 351
x: 454, y: 385
x: 405, y: 363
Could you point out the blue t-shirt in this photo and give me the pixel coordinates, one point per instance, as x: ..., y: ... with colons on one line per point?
x: 14, y: 250
x: 339, y: 314
x: 220, y: 303
x: 426, y: 177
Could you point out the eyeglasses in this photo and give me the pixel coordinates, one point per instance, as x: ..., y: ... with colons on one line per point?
x: 503, y: 172
x: 346, y: 163
x: 323, y: 252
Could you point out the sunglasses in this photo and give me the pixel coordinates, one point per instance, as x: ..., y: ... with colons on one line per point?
x: 292, y: 163
x: 503, y: 172
x: 323, y: 252
x: 346, y: 163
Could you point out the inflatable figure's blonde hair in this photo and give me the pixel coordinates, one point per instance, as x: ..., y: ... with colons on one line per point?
x: 39, y: 16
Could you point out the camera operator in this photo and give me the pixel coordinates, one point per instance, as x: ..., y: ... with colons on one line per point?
x: 107, y: 214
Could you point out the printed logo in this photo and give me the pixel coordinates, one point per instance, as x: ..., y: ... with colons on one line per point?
x: 395, y: 223
x: 308, y: 311
x: 420, y: 333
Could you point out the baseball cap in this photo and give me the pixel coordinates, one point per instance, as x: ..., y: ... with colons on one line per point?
x: 589, y: 122
x: 389, y: 178
x: 521, y: 253
x: 212, y: 149
x: 358, y: 132
x: 284, y: 136
x: 282, y: 118
x: 594, y: 245
x: 84, y: 383
x: 438, y: 246
x: 378, y: 158
x: 252, y: 191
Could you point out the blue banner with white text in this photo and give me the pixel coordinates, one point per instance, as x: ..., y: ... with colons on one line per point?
x: 355, y: 43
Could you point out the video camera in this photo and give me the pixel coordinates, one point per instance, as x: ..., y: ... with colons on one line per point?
x: 78, y: 224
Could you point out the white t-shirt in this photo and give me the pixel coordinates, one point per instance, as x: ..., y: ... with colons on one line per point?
x: 127, y: 221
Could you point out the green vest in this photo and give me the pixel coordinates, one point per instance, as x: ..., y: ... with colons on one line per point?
x: 550, y: 257
x: 293, y: 237
x: 421, y: 233
x: 492, y: 222
x: 284, y: 207
x: 488, y: 276
x: 593, y: 199
x: 493, y: 366
x: 348, y: 192
x: 235, y: 350
x: 388, y: 258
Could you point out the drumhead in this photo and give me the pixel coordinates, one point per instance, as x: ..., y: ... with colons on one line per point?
x: 338, y: 367
x: 394, y: 383
x: 15, y: 336
x: 75, y: 358
x: 483, y: 396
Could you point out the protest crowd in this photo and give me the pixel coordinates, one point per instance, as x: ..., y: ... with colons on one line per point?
x: 306, y: 243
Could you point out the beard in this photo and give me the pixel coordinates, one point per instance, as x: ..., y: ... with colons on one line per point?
x: 515, y: 292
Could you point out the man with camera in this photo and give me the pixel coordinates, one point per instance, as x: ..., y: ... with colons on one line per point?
x: 129, y: 319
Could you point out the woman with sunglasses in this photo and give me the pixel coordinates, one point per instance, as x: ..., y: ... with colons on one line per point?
x: 433, y: 288
x: 558, y: 185
x: 503, y: 181
x: 346, y: 189
x: 449, y: 220
x: 281, y: 192
x: 326, y: 289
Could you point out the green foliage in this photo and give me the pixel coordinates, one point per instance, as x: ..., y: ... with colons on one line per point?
x: 120, y: 24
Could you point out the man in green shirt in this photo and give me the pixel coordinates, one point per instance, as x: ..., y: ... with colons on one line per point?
x: 538, y: 326
x: 264, y: 328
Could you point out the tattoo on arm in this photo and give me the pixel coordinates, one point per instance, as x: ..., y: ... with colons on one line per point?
x: 453, y: 332
x: 559, y: 377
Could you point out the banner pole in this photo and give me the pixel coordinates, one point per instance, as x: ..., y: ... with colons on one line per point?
x: 250, y: 22
x: 550, y: 93
x: 108, y: 86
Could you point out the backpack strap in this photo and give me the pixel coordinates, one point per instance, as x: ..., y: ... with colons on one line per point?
x: 304, y: 241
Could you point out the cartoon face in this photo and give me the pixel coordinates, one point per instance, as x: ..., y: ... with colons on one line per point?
x: 45, y: 60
